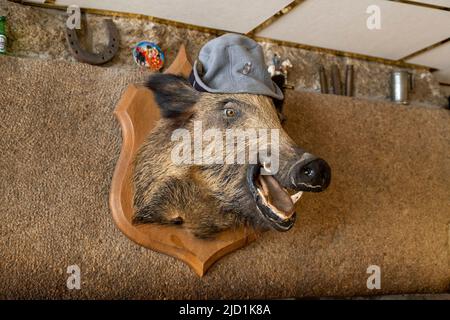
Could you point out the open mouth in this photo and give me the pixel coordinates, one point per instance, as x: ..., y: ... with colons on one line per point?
x: 273, y: 201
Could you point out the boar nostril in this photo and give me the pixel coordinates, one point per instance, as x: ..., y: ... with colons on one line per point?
x: 308, y: 172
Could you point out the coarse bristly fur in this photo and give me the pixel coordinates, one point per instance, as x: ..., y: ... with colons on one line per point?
x: 205, y: 199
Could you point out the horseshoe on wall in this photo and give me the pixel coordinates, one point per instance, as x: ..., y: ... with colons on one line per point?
x: 94, y: 58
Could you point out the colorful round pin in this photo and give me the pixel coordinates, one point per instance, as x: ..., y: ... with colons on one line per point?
x: 148, y: 54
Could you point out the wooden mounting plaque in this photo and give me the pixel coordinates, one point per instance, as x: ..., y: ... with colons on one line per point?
x: 138, y: 113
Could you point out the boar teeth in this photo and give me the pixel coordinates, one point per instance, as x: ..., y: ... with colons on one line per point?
x: 275, y: 210
x: 296, y: 196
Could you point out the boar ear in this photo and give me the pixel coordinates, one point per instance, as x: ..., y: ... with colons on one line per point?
x: 173, y: 93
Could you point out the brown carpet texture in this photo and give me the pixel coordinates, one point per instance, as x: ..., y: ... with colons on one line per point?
x: 388, y: 204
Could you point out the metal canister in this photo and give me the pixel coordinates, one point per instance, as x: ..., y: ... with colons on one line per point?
x: 401, y: 85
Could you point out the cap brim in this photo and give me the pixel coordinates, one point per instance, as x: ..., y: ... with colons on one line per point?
x: 265, y: 90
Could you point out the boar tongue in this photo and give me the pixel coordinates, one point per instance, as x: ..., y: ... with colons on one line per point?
x: 276, y: 197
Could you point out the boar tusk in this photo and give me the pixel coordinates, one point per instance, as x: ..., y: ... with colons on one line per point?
x: 296, y: 196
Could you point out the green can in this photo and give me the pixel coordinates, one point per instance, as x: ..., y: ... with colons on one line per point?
x: 2, y: 34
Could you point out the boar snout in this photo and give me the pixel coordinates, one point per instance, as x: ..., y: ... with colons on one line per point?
x: 276, y: 195
x: 311, y: 174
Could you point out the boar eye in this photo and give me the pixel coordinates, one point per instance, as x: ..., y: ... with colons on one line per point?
x: 229, y: 112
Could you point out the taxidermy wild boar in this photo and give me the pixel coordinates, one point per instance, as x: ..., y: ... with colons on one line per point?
x: 207, y: 197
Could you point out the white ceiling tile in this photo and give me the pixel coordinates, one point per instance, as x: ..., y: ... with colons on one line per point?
x: 441, y: 3
x: 443, y: 75
x: 438, y: 58
x: 341, y: 25
x: 231, y: 15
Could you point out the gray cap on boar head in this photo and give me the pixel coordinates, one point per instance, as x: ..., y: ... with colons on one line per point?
x: 233, y: 63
